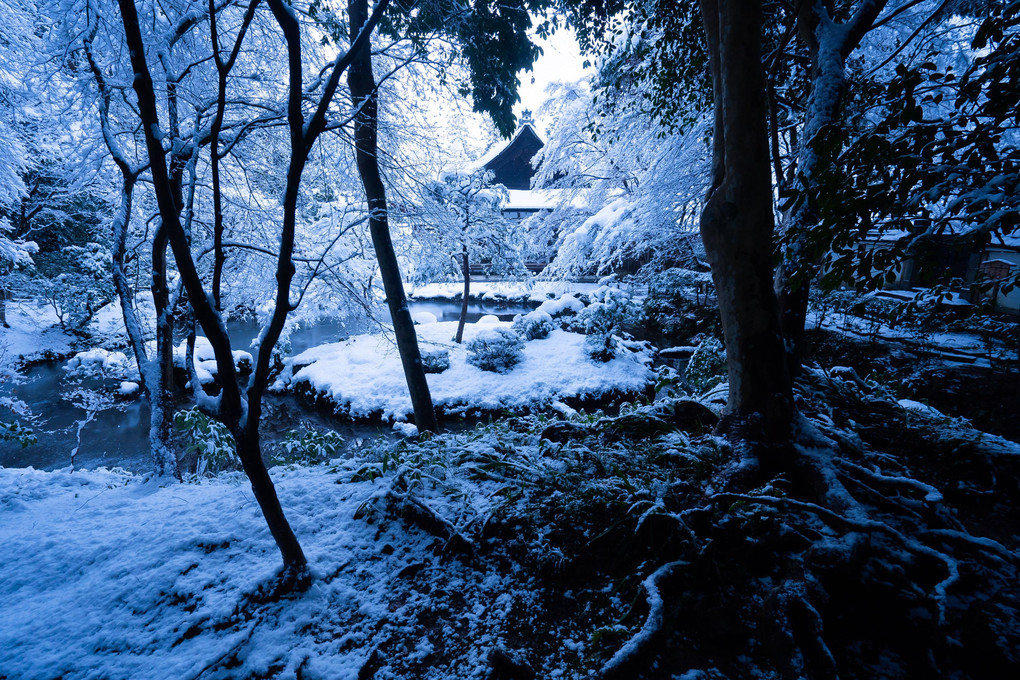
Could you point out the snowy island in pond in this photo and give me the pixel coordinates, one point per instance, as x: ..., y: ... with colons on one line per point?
x: 363, y: 378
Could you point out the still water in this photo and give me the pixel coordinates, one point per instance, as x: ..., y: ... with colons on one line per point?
x: 118, y: 436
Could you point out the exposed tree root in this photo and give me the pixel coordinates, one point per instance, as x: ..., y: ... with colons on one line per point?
x: 637, y: 653
x: 851, y: 565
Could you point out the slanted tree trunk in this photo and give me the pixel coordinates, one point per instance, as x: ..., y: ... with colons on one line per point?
x: 364, y: 95
x: 829, y: 44
x: 737, y: 226
x: 466, y: 269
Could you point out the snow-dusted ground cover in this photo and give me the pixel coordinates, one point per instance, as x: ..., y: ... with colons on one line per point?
x: 107, y: 575
x: 364, y: 374
x: 112, y: 575
x: 533, y: 291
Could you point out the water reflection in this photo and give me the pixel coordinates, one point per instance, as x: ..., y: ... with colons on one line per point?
x: 119, y: 436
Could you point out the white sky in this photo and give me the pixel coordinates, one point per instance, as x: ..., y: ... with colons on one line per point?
x: 560, y: 62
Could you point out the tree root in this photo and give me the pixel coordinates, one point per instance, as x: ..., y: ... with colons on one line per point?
x: 414, y: 510
x: 636, y: 654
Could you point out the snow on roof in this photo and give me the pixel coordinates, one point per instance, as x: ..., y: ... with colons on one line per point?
x: 533, y: 199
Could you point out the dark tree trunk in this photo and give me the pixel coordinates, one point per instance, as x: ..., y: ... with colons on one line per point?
x: 466, y: 269
x: 737, y: 226
x: 361, y: 82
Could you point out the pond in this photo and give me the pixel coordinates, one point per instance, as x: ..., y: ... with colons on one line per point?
x: 118, y: 435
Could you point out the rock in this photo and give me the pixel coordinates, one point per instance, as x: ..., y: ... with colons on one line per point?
x: 563, y: 431
x: 691, y: 416
x: 504, y: 665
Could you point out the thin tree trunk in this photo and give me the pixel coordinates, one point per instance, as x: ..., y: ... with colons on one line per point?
x: 3, y: 305
x: 466, y: 269
x: 737, y: 226
x: 361, y: 82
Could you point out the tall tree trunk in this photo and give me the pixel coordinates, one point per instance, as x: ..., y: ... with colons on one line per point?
x: 361, y: 82
x: 466, y: 269
x: 737, y: 226
x: 829, y: 44
x: 3, y: 305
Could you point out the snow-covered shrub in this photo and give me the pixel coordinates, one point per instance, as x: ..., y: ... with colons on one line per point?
x: 308, y: 445
x: 533, y: 325
x: 435, y: 360
x: 676, y: 309
x: 707, y: 366
x: 602, y: 320
x: 565, y: 305
x: 208, y: 440
x: 495, y: 349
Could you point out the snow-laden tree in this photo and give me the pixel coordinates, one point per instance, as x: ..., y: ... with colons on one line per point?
x: 460, y: 223
x: 931, y: 150
x: 641, y: 190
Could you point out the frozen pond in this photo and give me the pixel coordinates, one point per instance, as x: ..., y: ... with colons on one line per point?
x: 118, y: 436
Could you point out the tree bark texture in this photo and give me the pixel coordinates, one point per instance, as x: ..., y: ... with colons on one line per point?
x: 364, y: 95
x: 829, y: 44
x: 737, y: 226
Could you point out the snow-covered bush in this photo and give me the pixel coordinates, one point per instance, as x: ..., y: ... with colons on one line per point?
x: 707, y: 367
x: 533, y: 325
x: 496, y: 349
x: 435, y: 360
x: 565, y: 305
x: 308, y: 445
x: 602, y: 320
x: 208, y: 440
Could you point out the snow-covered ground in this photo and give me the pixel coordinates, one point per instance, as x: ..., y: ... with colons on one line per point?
x: 110, y: 575
x: 364, y: 373
x: 534, y: 291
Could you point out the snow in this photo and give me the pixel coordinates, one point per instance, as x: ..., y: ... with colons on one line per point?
x: 533, y: 199
x: 364, y: 373
x: 535, y: 291
x: 488, y: 320
x: 34, y: 332
x: 108, y: 322
x: 127, y: 388
x: 111, y: 575
x: 205, y: 358
x: 566, y: 303
x: 420, y: 318
x: 103, y: 362
x: 924, y: 409
x: 405, y: 429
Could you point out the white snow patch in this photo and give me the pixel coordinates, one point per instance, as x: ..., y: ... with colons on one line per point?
x: 364, y: 373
